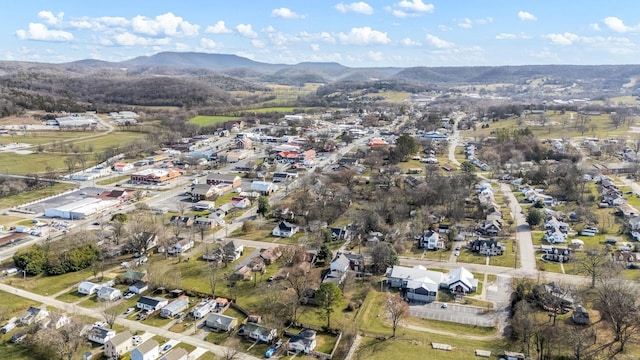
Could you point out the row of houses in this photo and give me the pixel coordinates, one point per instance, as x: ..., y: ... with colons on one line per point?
x: 118, y: 345
x: 492, y: 224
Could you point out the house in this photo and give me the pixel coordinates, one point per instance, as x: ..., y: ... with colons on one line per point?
x: 285, y: 229
x: 580, y: 316
x: 203, y: 308
x: 243, y: 273
x: 232, y: 251
x: 219, y: 322
x: 224, y: 209
x: 155, y: 176
x: 270, y: 255
x: 418, y: 283
x: 121, y: 166
x: 627, y: 259
x: 88, y: 288
x: 258, y: 332
x: 341, y: 264
x: 133, y: 276
x: 139, y: 287
x: 556, y: 254
x: 148, y: 350
x: 555, y: 236
x: 55, y: 321
x: 184, y: 221
x: 181, y: 246
x: 487, y: 247
x: 304, y: 342
x: 176, y: 354
x: 263, y: 187
x: 100, y: 335
x: 430, y: 240
x: 33, y: 315
x: 118, y: 345
x: 151, y: 304
x: 174, y: 308
x: 491, y: 228
x: 202, y: 192
x: 227, y: 179
x: 204, y: 205
x: 555, y: 224
x: 241, y: 202
x: 340, y: 233
x: 206, y: 222
x: 108, y: 293
x: 461, y: 281
x: 221, y: 303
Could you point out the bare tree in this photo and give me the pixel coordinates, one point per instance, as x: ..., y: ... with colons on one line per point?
x: 60, y: 343
x: 299, y: 281
x: 398, y: 310
x: 619, y: 306
x: 109, y: 313
x: 594, y: 264
x: 119, y: 230
x: 142, y: 233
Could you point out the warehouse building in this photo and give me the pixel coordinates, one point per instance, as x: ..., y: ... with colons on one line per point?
x: 79, y: 209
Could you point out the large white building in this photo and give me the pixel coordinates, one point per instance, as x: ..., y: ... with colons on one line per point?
x: 79, y: 209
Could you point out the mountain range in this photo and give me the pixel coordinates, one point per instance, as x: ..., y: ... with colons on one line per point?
x: 324, y: 72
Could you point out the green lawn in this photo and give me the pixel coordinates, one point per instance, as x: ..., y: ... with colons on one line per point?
x: 72, y: 296
x: 49, y: 285
x: 25, y: 197
x: 206, y: 120
x: 112, y: 180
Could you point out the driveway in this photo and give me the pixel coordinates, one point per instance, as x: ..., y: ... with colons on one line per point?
x: 461, y: 314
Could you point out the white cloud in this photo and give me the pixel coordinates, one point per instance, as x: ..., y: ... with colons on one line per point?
x: 286, y: 13
x: 207, y: 44
x: 364, y: 36
x: 40, y: 32
x: 375, y: 55
x: 360, y: 7
x: 165, y: 24
x: 114, y: 21
x: 182, y: 47
x: 407, y: 8
x: 218, y: 28
x: 105, y: 42
x: 246, y: 30
x: 465, y: 23
x: 257, y: 43
x: 439, y: 43
x: 503, y: 36
x: 487, y: 20
x: 410, y: 42
x: 526, y: 16
x: 269, y: 29
x: 315, y: 47
x: 129, y: 39
x: 566, y: 38
x: 49, y: 18
x: 594, y: 26
x: 618, y: 25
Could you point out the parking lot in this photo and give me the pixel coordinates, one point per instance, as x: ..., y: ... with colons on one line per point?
x: 461, y: 314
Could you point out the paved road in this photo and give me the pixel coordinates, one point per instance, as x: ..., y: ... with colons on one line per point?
x: 133, y: 325
x: 523, y: 231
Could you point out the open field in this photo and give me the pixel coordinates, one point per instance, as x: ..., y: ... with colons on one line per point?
x: 49, y: 285
x: 206, y: 120
x: 25, y: 197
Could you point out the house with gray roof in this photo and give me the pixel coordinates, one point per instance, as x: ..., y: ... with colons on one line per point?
x: 219, y: 322
x: 176, y: 354
x: 148, y: 350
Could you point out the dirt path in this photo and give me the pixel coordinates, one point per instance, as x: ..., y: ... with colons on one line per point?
x: 457, y: 335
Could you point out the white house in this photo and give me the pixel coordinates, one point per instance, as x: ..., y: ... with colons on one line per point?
x: 148, y: 350
x: 431, y: 240
x: 151, y: 304
x: 100, y: 335
x: 88, y: 288
x: 285, y: 229
x: 174, y: 308
x: 204, y: 308
x: 109, y: 293
x: 263, y: 187
x: 461, y: 281
x: 304, y: 342
x: 181, y: 246
x: 258, y: 332
x: 418, y: 283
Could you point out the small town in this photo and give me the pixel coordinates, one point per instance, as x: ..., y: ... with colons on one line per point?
x: 178, y: 187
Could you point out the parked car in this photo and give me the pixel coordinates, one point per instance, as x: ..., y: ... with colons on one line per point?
x: 457, y: 248
x: 129, y: 295
x: 457, y: 253
x: 129, y: 310
x: 270, y: 352
x: 100, y: 324
x: 166, y: 348
x: 444, y: 306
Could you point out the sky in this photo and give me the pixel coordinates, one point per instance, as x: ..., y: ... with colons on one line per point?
x: 399, y: 33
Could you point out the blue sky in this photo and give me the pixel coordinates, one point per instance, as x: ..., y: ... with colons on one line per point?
x: 361, y: 33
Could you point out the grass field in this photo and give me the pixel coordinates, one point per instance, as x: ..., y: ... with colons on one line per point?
x: 206, y: 120
x: 26, y: 197
x: 49, y: 285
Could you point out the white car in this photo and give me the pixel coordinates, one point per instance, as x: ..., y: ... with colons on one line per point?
x: 100, y: 324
